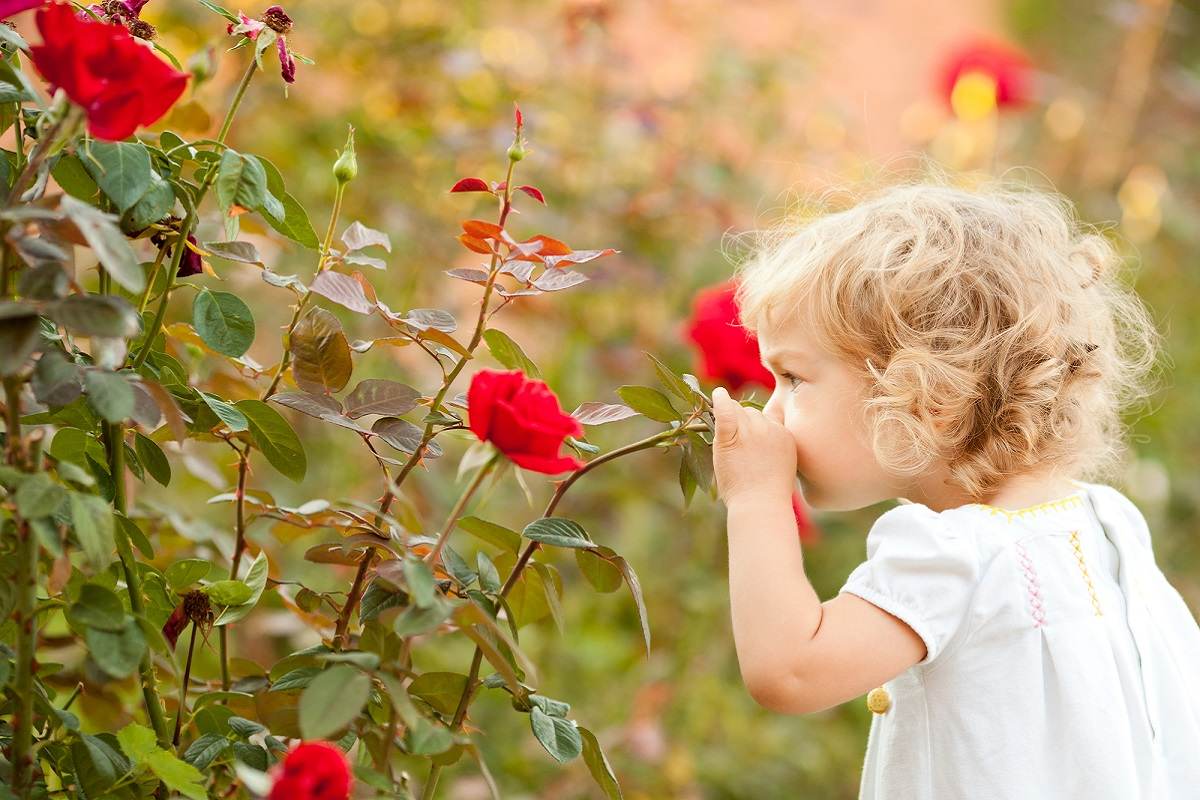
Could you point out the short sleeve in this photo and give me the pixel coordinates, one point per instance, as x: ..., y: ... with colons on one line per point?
x: 920, y: 569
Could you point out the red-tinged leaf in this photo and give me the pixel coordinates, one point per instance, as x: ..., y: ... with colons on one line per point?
x: 519, y: 119
x: 235, y: 210
x: 473, y: 275
x: 600, y: 413
x: 521, y: 270
x: 471, y: 185
x: 533, y: 192
x: 499, y: 187
x: 343, y: 290
x: 475, y: 245
x: 550, y: 247
x: 480, y: 229
x: 518, y: 293
x: 579, y: 257
x: 558, y: 279
x: 367, y: 288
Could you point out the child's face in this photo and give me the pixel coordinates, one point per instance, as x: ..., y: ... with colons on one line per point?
x: 819, y: 399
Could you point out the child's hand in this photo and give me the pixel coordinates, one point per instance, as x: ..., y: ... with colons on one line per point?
x: 751, y: 452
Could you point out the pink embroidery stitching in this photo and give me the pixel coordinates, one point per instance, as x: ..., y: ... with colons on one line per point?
x: 1031, y: 584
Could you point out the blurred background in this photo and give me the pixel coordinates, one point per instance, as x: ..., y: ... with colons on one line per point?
x: 660, y: 129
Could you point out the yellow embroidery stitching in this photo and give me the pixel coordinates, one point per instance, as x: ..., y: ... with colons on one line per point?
x: 1083, y: 568
x: 1073, y: 501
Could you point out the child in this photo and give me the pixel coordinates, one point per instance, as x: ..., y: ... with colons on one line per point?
x: 970, y: 351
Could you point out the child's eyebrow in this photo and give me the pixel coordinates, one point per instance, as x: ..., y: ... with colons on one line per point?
x: 777, y: 357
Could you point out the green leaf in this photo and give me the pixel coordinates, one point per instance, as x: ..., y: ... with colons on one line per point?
x: 559, y: 736
x: 420, y: 582
x: 601, y: 573
x: 376, y: 396
x: 70, y: 174
x: 178, y: 775
x: 635, y: 587
x: 153, y: 458
x: 245, y: 728
x: 417, y: 620
x: 240, y: 180
x: 121, y: 169
x: 39, y: 496
x: 427, y: 739
x: 137, y: 741
x: 256, y: 579
x: 295, y: 679
x: 107, y: 242
x: 224, y: 322
x: 182, y: 574
x: 96, y: 315
x: 491, y: 533
x: 98, y: 607
x: 649, y: 403
x: 110, y: 394
x: 98, y: 764
x: 93, y: 524
x: 457, y: 567
x: 228, y: 414
x: 228, y: 592
x: 294, y: 223
x: 557, y: 531
x: 56, y: 382
x: 673, y: 382
x: 118, y: 653
x: 321, y: 354
x: 489, y: 576
x: 19, y: 335
x: 442, y: 690
x: 153, y: 205
x: 333, y: 700
x: 275, y: 438
x: 205, y: 750
x: 509, y: 353
x: 597, y: 764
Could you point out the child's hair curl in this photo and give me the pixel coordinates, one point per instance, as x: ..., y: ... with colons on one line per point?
x: 990, y: 327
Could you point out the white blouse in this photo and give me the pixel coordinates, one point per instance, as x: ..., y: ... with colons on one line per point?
x: 1061, y: 664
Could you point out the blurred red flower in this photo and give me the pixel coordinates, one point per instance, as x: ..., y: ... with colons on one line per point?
x: 116, y: 78
x: 523, y: 419
x: 10, y: 7
x: 809, y: 532
x: 312, y: 771
x: 1008, y: 67
x: 728, y: 353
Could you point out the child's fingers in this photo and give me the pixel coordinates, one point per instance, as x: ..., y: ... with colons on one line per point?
x: 725, y: 411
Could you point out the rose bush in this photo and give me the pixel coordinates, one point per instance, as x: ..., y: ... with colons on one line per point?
x: 103, y: 385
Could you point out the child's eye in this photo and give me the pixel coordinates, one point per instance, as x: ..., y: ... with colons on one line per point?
x: 787, y: 376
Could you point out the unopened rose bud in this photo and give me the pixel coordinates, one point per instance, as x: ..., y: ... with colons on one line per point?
x: 345, y: 169
x: 516, y: 151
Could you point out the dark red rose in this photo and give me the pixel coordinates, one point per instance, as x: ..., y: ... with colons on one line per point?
x: 1009, y: 67
x: 312, y: 771
x: 191, y: 262
x: 523, y: 419
x: 175, y: 625
x: 728, y: 353
x: 809, y: 532
x: 116, y: 78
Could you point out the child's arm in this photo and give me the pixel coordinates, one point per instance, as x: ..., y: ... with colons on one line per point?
x: 796, y: 654
x: 799, y: 655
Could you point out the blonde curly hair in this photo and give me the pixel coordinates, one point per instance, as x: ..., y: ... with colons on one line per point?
x: 991, y: 329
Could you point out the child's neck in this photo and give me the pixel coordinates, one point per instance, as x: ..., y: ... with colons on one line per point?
x: 1013, y: 494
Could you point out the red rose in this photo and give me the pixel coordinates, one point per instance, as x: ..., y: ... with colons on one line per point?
x: 117, y: 80
x: 10, y: 7
x: 312, y: 771
x: 809, y: 532
x: 728, y: 352
x: 1006, y: 65
x: 523, y: 419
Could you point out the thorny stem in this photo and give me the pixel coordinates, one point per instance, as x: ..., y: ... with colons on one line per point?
x: 239, y: 548
x: 183, y: 687
x: 464, y: 700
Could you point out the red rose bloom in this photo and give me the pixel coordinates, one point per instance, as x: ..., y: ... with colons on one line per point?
x: 1006, y: 65
x: 522, y: 418
x: 312, y: 771
x: 117, y: 80
x: 728, y: 352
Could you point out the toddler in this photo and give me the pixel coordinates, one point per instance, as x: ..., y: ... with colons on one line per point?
x: 970, y: 352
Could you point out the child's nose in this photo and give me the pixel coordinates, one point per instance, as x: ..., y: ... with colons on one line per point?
x: 773, y: 410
